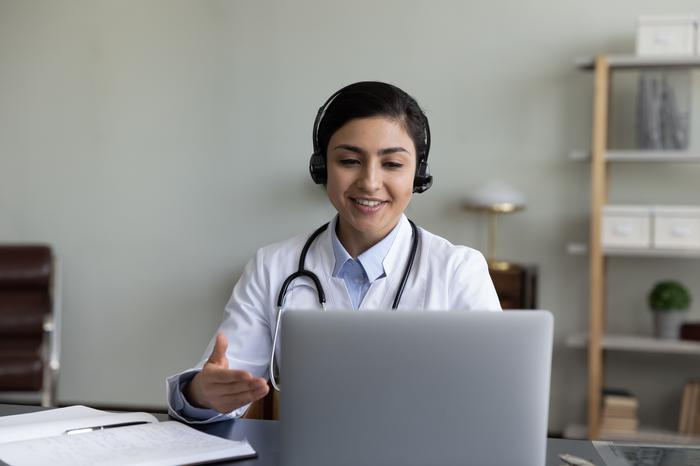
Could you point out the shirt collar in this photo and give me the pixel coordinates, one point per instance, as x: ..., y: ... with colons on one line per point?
x: 372, y: 260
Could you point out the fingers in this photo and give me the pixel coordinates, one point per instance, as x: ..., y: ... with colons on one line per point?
x: 226, y: 398
x: 221, y: 388
x: 218, y: 354
x: 237, y: 388
x: 215, y: 374
x: 246, y: 397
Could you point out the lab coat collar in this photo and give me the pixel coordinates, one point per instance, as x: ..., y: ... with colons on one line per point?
x: 372, y: 260
x: 400, y: 247
x: 322, y: 249
x: 321, y: 260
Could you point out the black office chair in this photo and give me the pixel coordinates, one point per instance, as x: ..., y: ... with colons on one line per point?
x: 29, y: 322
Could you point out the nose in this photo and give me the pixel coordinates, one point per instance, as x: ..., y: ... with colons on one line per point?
x: 370, y: 178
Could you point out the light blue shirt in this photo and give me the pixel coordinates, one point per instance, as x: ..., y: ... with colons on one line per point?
x: 358, y: 274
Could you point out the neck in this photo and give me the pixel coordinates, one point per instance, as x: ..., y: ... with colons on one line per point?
x: 356, y: 242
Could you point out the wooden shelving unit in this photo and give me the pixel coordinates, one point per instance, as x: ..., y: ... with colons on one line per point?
x: 645, y: 252
x: 644, y: 156
x: 644, y: 435
x: 636, y: 343
x: 600, y: 157
x: 636, y: 62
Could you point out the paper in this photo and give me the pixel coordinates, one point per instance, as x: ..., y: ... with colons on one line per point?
x: 57, y: 421
x: 622, y: 454
x: 157, y: 444
x: 70, y: 412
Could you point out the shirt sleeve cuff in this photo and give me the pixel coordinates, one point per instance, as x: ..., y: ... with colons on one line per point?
x: 182, y: 410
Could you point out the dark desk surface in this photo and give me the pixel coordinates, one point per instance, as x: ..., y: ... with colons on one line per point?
x: 264, y: 437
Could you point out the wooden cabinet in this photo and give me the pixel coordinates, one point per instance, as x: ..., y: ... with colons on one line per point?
x: 516, y: 285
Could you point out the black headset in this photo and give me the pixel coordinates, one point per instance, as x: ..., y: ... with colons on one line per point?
x: 317, y: 164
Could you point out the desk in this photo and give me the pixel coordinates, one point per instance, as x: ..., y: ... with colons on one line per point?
x: 264, y: 437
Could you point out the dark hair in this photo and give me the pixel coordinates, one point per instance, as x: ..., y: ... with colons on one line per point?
x: 368, y: 99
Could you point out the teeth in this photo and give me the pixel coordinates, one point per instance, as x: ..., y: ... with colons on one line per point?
x: 367, y: 202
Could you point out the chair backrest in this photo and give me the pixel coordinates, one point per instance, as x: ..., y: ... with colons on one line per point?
x: 26, y: 273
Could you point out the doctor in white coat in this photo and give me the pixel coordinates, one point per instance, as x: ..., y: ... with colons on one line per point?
x: 371, y: 143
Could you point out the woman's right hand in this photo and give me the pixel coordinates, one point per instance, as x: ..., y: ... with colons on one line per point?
x: 220, y: 388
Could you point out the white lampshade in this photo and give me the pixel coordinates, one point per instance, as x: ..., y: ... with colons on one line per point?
x: 496, y: 196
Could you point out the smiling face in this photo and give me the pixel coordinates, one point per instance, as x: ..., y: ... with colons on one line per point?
x: 371, y: 164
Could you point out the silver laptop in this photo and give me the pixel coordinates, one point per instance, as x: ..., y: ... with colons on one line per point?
x: 415, y: 388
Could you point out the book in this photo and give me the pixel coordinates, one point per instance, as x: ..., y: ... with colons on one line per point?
x: 692, y: 407
x: 619, y: 403
x: 619, y: 412
x: 80, y: 435
x: 619, y: 424
x: 683, y: 426
x: 621, y: 392
x: 620, y: 406
x: 694, y: 416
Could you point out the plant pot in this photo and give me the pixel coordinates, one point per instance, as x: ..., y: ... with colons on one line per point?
x: 667, y: 324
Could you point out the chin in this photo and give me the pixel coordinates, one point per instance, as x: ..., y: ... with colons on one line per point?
x: 369, y: 227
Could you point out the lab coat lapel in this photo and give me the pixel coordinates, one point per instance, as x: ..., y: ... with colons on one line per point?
x: 380, y: 295
x: 321, y: 261
x: 382, y: 291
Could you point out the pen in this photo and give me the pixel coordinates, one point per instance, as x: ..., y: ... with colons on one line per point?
x: 108, y: 426
x: 574, y: 460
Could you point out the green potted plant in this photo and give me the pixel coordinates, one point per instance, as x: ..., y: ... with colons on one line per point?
x: 669, y: 300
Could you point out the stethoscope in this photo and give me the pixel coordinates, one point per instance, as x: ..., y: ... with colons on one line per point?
x: 302, y: 272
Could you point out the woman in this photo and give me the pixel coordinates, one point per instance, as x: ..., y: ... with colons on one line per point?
x: 371, y: 143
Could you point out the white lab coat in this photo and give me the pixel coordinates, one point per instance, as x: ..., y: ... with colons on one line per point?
x: 443, y: 277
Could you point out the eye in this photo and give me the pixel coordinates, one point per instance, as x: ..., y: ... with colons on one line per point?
x: 348, y: 162
x: 393, y: 165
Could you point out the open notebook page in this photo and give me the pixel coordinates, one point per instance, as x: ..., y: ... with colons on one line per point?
x: 158, y: 444
x: 57, y: 421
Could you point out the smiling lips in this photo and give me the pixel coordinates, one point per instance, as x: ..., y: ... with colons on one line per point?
x: 368, y: 205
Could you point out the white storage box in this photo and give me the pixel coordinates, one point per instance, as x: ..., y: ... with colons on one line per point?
x: 676, y: 227
x: 626, y: 226
x: 667, y: 35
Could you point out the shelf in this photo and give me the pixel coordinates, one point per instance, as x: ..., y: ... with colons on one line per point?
x: 645, y: 435
x: 647, y: 252
x: 651, y: 156
x: 637, y: 343
x: 634, y: 61
x: 661, y: 156
x: 575, y: 248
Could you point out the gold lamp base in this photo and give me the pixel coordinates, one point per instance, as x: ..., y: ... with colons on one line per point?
x: 492, y: 211
x: 499, y: 265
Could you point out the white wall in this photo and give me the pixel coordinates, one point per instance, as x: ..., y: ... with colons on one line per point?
x: 157, y: 144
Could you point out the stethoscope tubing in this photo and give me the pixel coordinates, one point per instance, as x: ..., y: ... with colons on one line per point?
x: 302, y: 272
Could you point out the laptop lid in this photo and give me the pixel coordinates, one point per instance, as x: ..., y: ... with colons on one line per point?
x: 415, y: 388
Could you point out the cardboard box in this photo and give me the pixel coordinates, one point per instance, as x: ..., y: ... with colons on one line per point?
x: 677, y: 227
x: 626, y: 226
x: 667, y: 35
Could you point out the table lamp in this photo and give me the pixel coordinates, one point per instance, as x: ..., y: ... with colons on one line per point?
x: 494, y: 197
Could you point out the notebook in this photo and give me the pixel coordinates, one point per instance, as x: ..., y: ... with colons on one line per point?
x: 74, y: 436
x: 415, y: 388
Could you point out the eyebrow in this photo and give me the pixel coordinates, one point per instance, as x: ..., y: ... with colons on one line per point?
x: 357, y: 150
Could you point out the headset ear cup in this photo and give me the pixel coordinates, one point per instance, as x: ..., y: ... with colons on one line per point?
x: 317, y: 168
x: 423, y: 180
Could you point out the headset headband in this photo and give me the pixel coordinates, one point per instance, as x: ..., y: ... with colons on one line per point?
x: 317, y: 165
x: 423, y: 157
